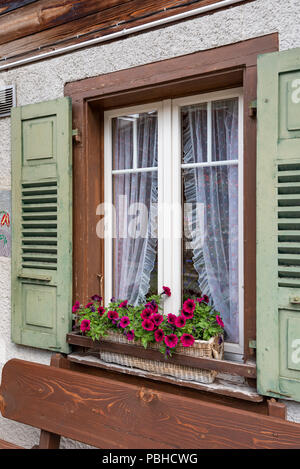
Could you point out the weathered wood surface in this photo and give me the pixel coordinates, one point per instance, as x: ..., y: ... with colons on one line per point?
x: 110, y: 414
x: 51, y: 24
x: 133, y: 350
x: 219, y: 387
x: 6, y: 6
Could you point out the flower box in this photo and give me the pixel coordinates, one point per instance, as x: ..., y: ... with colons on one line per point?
x: 200, y: 349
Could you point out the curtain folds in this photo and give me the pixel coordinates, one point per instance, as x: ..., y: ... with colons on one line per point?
x: 211, y: 192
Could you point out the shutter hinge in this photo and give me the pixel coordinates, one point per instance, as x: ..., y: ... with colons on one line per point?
x: 252, y: 344
x: 253, y: 109
x: 76, y: 135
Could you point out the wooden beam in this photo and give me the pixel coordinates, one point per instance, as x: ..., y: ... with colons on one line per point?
x: 234, y: 368
x: 5, y: 6
x: 46, y: 14
x: 112, y: 19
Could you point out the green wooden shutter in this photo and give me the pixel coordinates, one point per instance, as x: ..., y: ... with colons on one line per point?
x: 42, y: 224
x: 278, y: 225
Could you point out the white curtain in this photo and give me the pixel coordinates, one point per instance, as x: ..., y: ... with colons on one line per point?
x: 215, y: 189
x: 135, y: 245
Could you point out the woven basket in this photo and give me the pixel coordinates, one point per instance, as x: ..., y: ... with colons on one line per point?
x: 201, y: 348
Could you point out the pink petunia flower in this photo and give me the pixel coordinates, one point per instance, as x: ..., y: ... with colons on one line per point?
x: 85, y: 325
x: 96, y: 298
x: 113, y: 315
x: 167, y: 291
x: 171, y: 340
x: 123, y: 304
x: 172, y: 319
x: 146, y: 313
x: 189, y: 306
x: 101, y: 310
x: 130, y: 335
x: 75, y: 307
x: 88, y: 305
x: 180, y: 321
x: 148, y: 325
x: 159, y: 335
x: 187, y: 340
x: 206, y: 299
x: 157, y: 319
x: 152, y: 305
x: 200, y: 300
x: 125, y: 321
x: 219, y: 321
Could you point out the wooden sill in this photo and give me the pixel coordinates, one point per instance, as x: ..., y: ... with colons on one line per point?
x: 223, y: 366
x: 219, y: 387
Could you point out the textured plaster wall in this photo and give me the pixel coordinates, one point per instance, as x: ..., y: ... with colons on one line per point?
x: 46, y: 80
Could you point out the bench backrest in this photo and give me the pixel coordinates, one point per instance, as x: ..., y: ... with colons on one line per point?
x: 107, y: 413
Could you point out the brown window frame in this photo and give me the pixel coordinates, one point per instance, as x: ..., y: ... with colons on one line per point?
x: 210, y: 70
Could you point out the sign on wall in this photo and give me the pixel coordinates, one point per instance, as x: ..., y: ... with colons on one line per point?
x: 5, y: 223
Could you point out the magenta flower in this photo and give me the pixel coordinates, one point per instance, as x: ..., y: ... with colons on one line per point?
x: 130, y: 335
x: 205, y: 298
x: 85, y: 325
x: 146, y: 313
x: 113, y: 315
x: 167, y: 291
x: 125, y: 321
x: 172, y: 319
x: 88, y: 305
x: 76, y: 307
x: 219, y: 321
x: 152, y: 305
x: 101, y: 310
x: 200, y: 300
x: 187, y: 340
x: 148, y: 325
x: 159, y: 335
x: 171, y: 340
x: 123, y: 304
x: 180, y: 321
x: 189, y: 306
x: 157, y: 319
x: 96, y: 298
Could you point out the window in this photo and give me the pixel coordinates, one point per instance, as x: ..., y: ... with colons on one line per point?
x: 174, y: 200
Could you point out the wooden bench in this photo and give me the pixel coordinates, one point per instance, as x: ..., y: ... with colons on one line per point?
x: 114, y: 414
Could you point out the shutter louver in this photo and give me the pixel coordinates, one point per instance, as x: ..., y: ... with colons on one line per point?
x: 278, y: 225
x: 42, y: 224
x: 7, y: 100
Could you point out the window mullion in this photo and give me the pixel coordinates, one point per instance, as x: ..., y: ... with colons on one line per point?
x: 209, y: 132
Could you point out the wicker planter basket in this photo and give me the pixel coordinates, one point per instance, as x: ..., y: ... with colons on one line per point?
x: 201, y: 348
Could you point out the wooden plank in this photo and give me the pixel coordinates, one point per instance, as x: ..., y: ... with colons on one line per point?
x: 219, y: 387
x: 129, y: 14
x: 47, y: 14
x: 133, y: 350
x: 110, y: 414
x: 49, y: 440
x: 6, y: 445
x: 5, y: 6
x: 277, y: 409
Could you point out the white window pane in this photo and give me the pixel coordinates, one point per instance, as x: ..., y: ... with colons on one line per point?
x: 135, y: 141
x: 194, y: 133
x: 225, y: 142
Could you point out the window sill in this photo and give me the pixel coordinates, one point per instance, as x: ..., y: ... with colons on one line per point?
x: 230, y: 380
x: 221, y: 386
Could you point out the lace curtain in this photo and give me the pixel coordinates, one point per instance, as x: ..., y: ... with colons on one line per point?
x: 212, y: 191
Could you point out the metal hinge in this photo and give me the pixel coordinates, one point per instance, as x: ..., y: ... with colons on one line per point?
x: 253, y: 109
x: 252, y: 343
x: 76, y: 135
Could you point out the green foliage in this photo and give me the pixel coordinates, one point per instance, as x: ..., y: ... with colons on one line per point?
x: 146, y: 324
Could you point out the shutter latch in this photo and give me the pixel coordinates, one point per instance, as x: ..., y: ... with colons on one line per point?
x: 76, y: 135
x: 253, y: 109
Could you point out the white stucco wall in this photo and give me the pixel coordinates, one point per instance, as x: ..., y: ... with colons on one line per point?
x: 45, y: 80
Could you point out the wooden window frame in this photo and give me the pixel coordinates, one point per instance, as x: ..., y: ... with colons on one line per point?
x: 225, y: 67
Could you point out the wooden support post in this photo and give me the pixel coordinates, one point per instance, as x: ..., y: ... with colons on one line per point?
x: 276, y: 409
x: 49, y: 440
